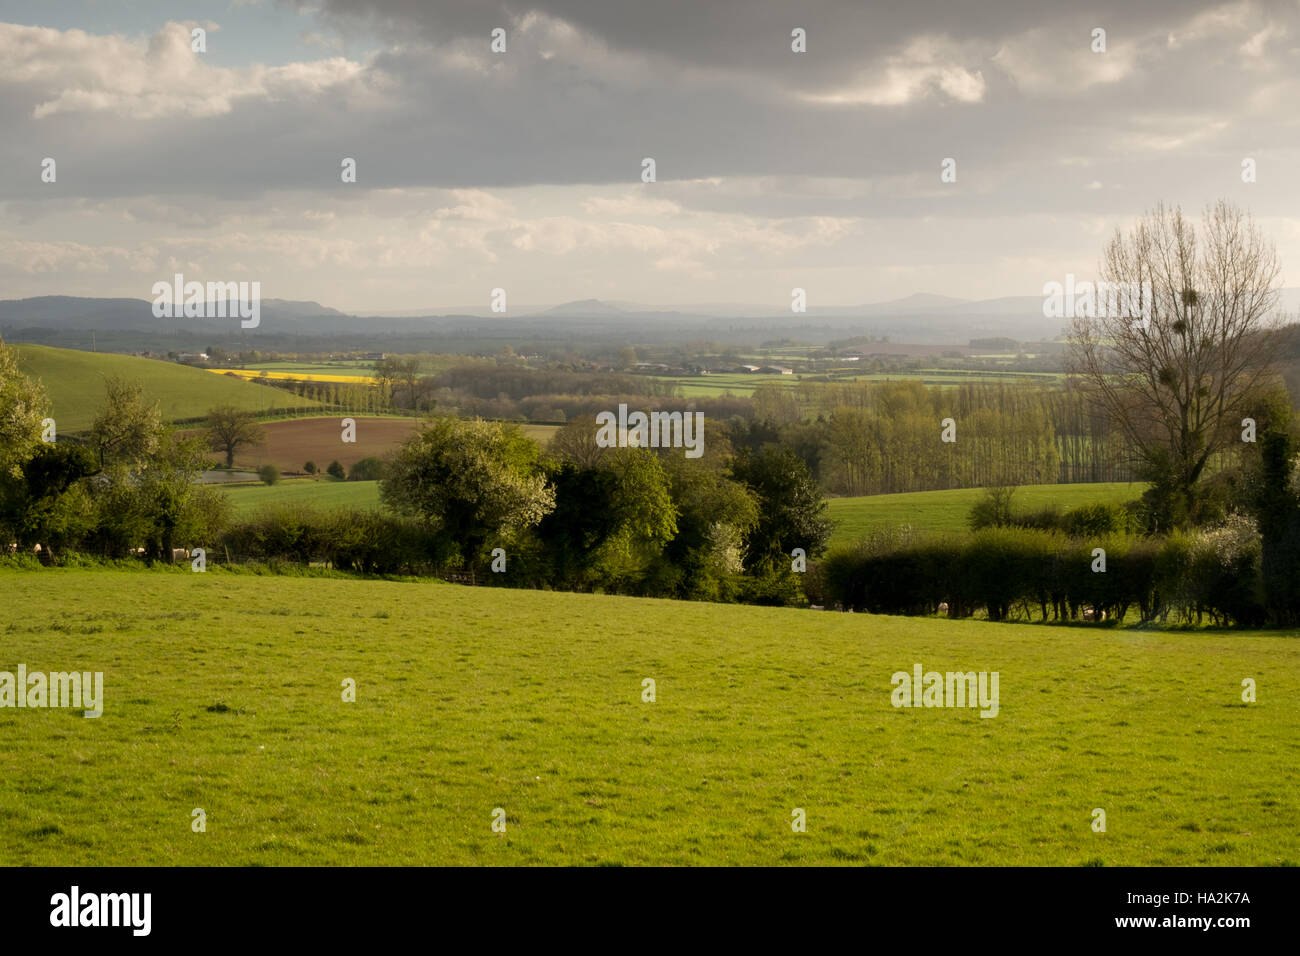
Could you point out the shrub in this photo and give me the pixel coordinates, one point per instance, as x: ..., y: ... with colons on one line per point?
x: 1095, y: 520
x: 1047, y: 518
x: 367, y: 469
x: 269, y: 474
x: 993, y: 510
x: 310, y: 468
x: 1226, y: 573
x: 335, y: 470
x: 772, y: 585
x: 367, y: 541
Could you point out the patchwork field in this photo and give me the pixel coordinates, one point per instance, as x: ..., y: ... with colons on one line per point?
x: 743, y: 384
x: 947, y: 510
x: 74, y: 381
x: 222, y: 692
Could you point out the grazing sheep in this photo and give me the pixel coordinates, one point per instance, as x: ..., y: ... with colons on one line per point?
x: 943, y: 607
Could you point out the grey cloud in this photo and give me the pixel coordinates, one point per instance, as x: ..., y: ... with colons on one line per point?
x: 711, y: 91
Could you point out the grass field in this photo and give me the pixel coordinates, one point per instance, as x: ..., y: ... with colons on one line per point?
x: 222, y: 692
x: 74, y: 381
x: 947, y: 510
x: 854, y: 517
x: 319, y: 493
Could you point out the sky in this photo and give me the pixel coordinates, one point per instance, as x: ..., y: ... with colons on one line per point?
x: 523, y: 169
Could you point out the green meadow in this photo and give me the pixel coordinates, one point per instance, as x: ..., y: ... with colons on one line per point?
x: 854, y: 517
x: 74, y: 382
x: 325, y: 493
x: 942, y: 511
x: 222, y: 692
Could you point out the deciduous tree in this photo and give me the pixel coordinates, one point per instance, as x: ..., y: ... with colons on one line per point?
x: 1175, y: 362
x: 230, y: 429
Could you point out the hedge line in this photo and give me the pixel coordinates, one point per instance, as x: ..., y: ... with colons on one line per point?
x: 1028, y: 574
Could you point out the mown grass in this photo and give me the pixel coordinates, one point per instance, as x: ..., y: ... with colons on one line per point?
x: 944, y: 511
x: 223, y: 692
x: 74, y: 382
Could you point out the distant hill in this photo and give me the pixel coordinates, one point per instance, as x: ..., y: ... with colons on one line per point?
x: 74, y: 382
x: 585, y: 307
x: 69, y: 312
x: 921, y: 302
x: 291, y: 307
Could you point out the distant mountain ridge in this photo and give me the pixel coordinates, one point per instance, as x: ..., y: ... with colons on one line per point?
x: 923, y: 318
x: 63, y: 311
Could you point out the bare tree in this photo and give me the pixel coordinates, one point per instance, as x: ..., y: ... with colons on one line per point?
x: 393, y: 371
x: 1176, y: 355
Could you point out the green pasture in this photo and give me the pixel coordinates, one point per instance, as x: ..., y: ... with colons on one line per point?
x: 222, y: 692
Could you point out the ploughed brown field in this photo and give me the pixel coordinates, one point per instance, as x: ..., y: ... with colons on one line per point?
x: 292, y: 443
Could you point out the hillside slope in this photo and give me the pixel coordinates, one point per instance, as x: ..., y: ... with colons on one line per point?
x: 74, y: 382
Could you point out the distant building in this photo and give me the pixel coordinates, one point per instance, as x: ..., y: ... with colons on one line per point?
x: 776, y: 370
x: 746, y: 368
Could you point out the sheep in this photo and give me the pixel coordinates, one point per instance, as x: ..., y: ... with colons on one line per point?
x: 943, y: 607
